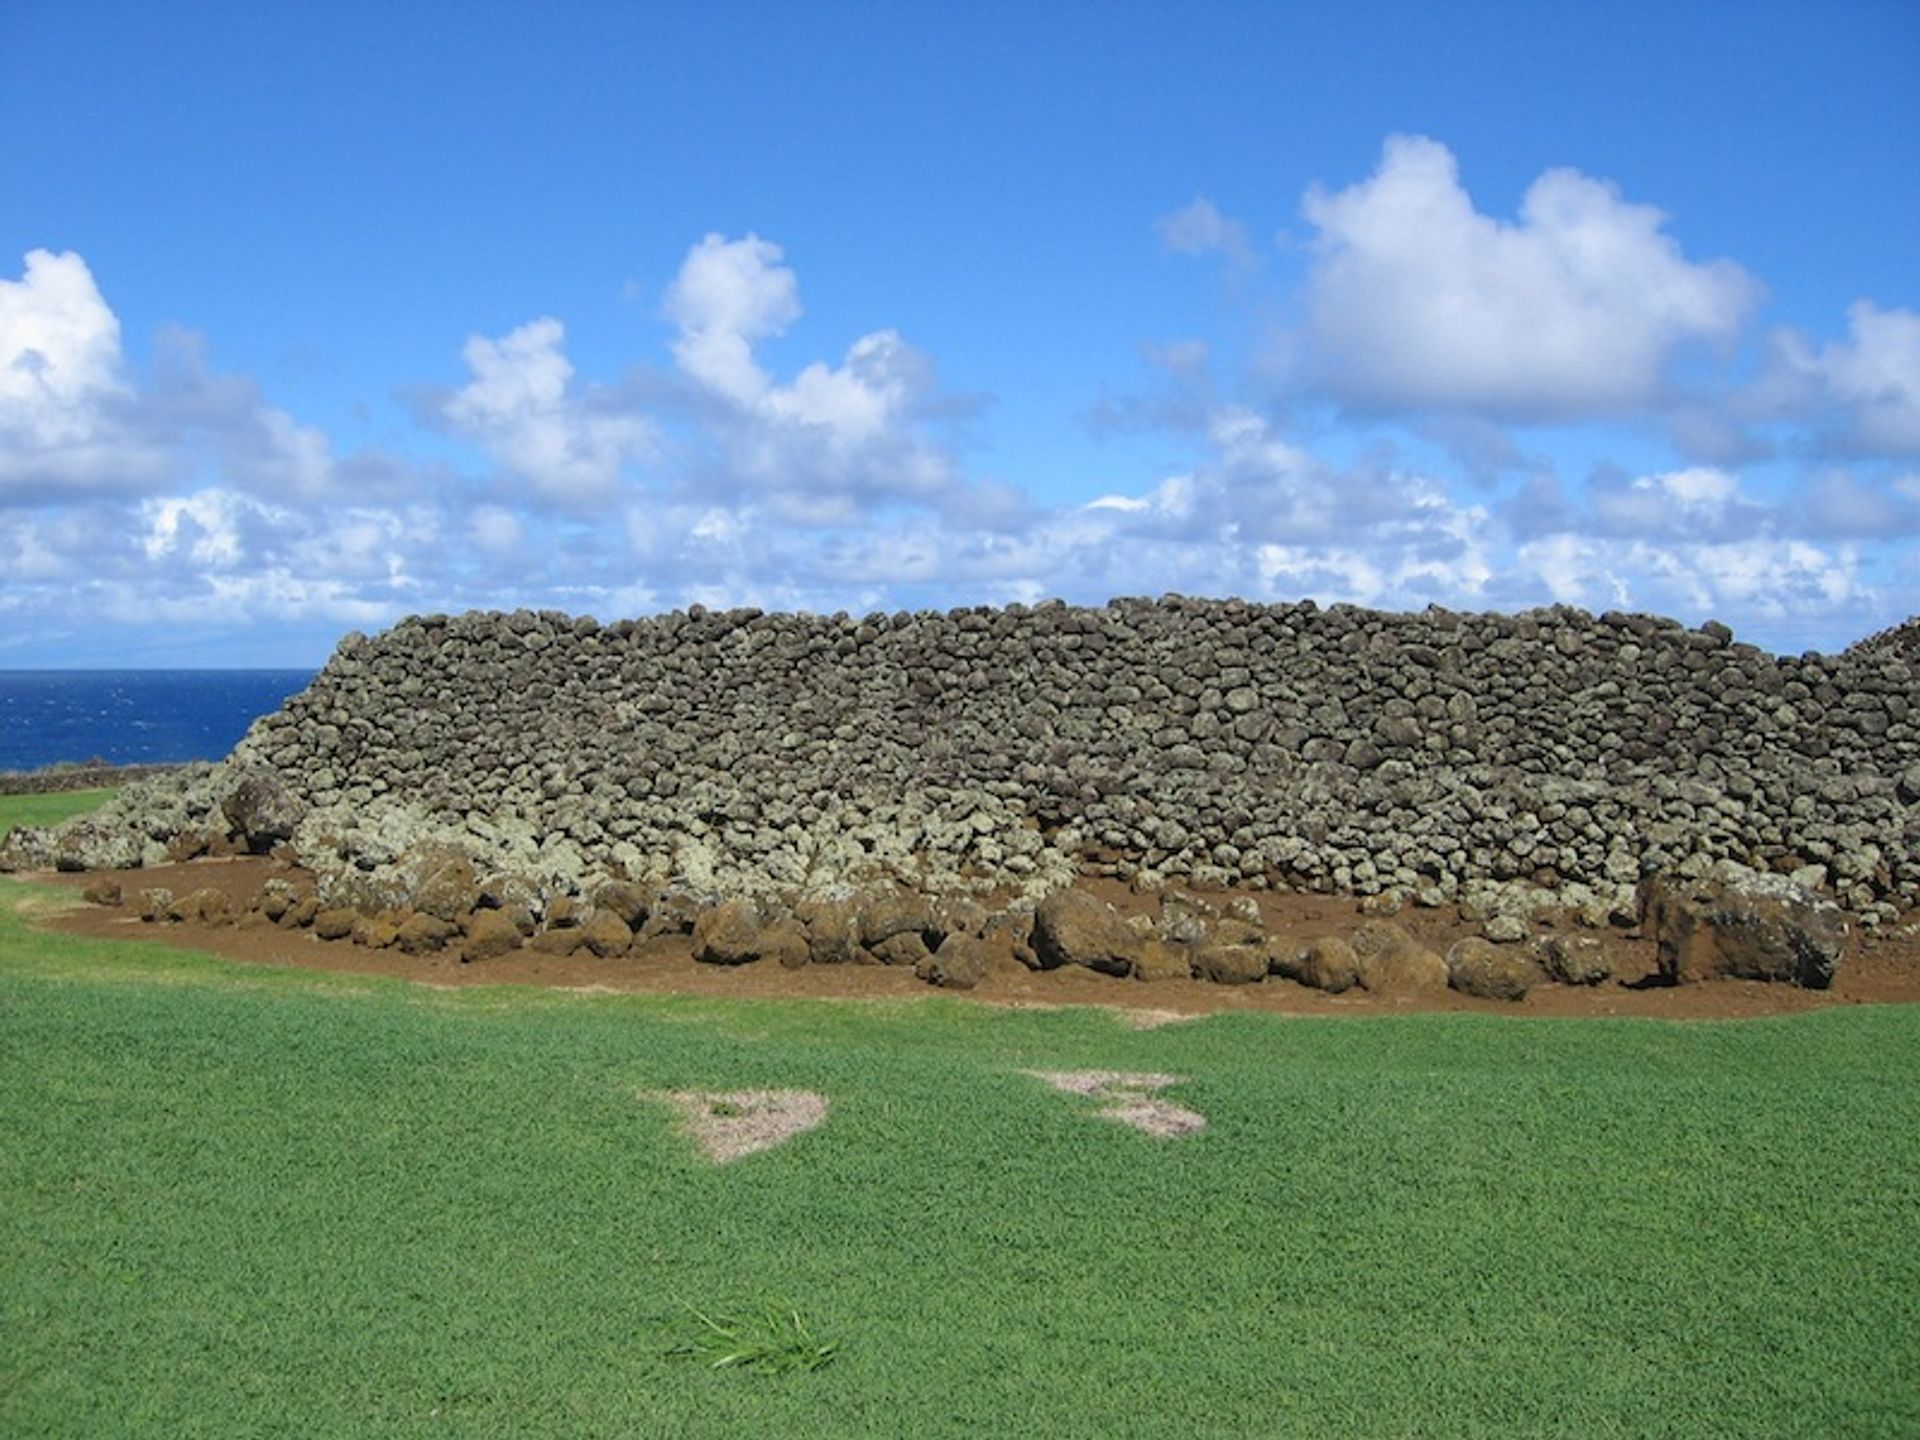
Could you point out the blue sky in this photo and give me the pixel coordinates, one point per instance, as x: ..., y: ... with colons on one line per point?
x: 315, y: 316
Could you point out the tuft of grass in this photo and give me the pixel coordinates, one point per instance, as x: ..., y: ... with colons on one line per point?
x: 767, y: 1336
x: 48, y: 809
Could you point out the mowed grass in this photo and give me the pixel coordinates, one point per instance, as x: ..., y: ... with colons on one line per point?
x: 259, y: 1202
x: 49, y: 809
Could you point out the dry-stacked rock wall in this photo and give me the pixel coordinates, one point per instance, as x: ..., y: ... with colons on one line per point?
x: 1553, y: 754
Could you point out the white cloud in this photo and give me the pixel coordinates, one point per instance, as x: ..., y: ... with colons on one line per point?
x: 834, y: 439
x: 1760, y: 578
x: 1864, y: 390
x: 520, y: 405
x: 63, y: 396
x: 59, y: 349
x: 729, y: 296
x: 1198, y: 228
x: 1418, y: 301
x: 203, y: 528
x: 1699, y: 503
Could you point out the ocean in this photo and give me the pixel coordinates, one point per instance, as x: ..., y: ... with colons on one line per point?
x: 133, y: 717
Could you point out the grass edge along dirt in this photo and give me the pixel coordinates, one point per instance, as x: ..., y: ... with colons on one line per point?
x: 239, y: 1200
x: 49, y: 808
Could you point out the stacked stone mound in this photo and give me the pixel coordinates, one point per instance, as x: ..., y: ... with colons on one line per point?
x: 1897, y: 642
x: 1551, y: 758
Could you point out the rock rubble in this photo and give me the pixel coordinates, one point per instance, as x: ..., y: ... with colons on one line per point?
x: 1514, y: 763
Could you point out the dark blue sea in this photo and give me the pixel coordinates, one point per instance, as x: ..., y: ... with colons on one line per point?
x: 133, y: 717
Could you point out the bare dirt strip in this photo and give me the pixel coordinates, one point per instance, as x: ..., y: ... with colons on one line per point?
x: 1882, y: 969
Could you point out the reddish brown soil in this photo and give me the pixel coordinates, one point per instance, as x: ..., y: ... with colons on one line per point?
x: 1883, y: 969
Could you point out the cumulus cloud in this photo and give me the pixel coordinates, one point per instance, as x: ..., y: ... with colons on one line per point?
x: 521, y: 407
x: 1416, y: 300
x: 1863, y: 393
x: 824, y: 445
x: 729, y: 296
x: 74, y: 422
x: 717, y: 477
x: 1763, y: 577
x: 64, y: 398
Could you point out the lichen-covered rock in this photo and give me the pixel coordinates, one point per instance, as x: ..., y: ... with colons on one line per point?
x: 277, y: 897
x: 1742, y: 924
x: 1230, y: 964
x: 560, y: 943
x: 91, y: 843
x: 961, y: 963
x: 423, y: 934
x: 606, y: 935
x: 26, y: 847
x: 891, y: 912
x: 335, y: 923
x: 831, y: 919
x: 728, y: 934
x: 1492, y: 972
x: 1553, y: 754
x: 376, y: 932
x: 906, y: 949
x: 1159, y: 960
x: 1393, y: 964
x: 1071, y: 927
x: 439, y: 880
x: 628, y: 899
x: 1574, y: 959
x: 490, y: 934
x: 674, y: 911
x: 263, y: 811
x: 784, y: 942
x: 1184, y: 918
x: 205, y: 906
x: 1233, y: 952
x: 1328, y: 963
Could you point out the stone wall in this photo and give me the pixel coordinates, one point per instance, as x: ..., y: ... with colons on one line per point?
x: 1440, y: 755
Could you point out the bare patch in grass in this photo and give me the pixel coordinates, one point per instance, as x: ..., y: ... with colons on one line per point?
x: 1129, y: 1099
x: 727, y: 1124
x: 1153, y: 1019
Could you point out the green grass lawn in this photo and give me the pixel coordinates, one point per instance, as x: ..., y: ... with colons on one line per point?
x: 48, y: 809
x: 259, y: 1202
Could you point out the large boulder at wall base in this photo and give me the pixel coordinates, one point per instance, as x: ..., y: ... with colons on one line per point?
x: 1328, y: 964
x: 831, y: 921
x: 1573, y: 959
x: 960, y: 963
x: 1492, y: 972
x: 728, y: 934
x: 1233, y: 953
x: 490, y: 933
x: 262, y: 811
x: 891, y: 912
x: 1743, y: 924
x: 606, y: 935
x: 1071, y: 927
x: 1393, y: 964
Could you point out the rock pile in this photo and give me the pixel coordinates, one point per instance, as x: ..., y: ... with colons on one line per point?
x: 1506, y: 762
x: 1897, y: 642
